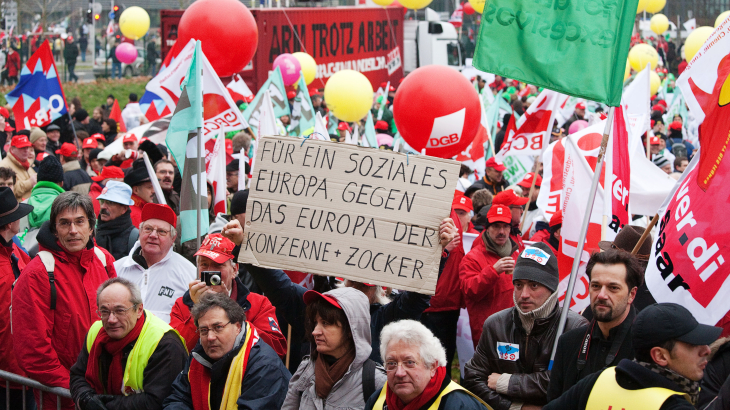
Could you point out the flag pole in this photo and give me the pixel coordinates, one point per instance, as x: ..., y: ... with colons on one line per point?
x: 198, y: 202
x: 532, y: 188
x: 583, y: 233
x: 645, y: 234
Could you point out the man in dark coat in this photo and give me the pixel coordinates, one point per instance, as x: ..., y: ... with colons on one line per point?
x: 74, y: 178
x: 70, y: 54
x: 493, y: 181
x: 114, y: 231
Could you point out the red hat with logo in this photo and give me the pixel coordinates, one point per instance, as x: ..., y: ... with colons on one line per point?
x: 21, y: 141
x: 67, y: 150
x: 381, y: 125
x: 508, y: 197
x: 159, y: 211
x: 4, y: 112
x: 99, y: 137
x: 129, y: 138
x: 662, y: 103
x: 109, y: 172
x: 499, y: 213
x: 676, y: 125
x: 462, y: 202
x: 580, y: 106
x: 391, y: 88
x: 217, y: 248
x: 657, y: 107
x: 229, y: 147
x: 654, y: 141
x: 8, y: 128
x: 290, y: 95
x: 343, y: 126
x: 90, y: 143
x: 556, y: 219
x: 312, y: 295
x: 492, y: 163
x: 40, y: 157
x: 527, y: 180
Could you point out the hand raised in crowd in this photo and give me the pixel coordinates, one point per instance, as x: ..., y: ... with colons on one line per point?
x: 233, y: 231
x: 453, y: 244
x: 198, y: 289
x: 505, y: 264
x: 447, y: 231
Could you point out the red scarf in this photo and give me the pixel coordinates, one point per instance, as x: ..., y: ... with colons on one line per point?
x: 25, y: 164
x: 431, y: 390
x: 115, y: 378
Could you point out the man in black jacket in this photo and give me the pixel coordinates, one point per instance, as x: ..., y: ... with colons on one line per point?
x: 74, y: 178
x: 614, y: 276
x: 114, y: 230
x: 493, y: 181
x: 127, y: 333
x: 671, y: 353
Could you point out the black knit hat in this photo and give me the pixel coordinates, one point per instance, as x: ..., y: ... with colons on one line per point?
x: 50, y: 170
x: 94, y: 153
x: 238, y: 202
x: 539, y: 264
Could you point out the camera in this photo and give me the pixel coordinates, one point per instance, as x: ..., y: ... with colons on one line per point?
x: 211, y: 278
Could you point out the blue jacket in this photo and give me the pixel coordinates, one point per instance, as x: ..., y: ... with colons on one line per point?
x: 264, y: 383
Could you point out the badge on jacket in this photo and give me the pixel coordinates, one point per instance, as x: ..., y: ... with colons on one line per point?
x: 508, y: 351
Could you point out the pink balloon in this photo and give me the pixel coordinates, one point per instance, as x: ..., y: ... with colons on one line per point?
x: 384, y: 139
x: 577, y: 126
x: 290, y: 68
x: 126, y: 53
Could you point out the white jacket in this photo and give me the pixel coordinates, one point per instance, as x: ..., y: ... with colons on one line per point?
x: 131, y: 115
x: 162, y: 283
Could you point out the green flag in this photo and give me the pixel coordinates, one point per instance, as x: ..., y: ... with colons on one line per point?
x: 182, y: 141
x: 370, y: 131
x: 275, y: 85
x: 576, y: 47
x: 302, y: 114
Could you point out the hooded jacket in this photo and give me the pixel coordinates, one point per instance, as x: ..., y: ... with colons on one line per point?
x: 162, y: 283
x: 346, y: 392
x: 114, y: 235
x: 263, y: 385
x: 47, y: 342
x: 41, y: 197
x: 259, y: 312
x: 23, y: 184
x: 485, y: 291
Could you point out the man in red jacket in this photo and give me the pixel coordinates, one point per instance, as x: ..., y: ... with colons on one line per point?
x: 486, y: 271
x: 516, y: 206
x: 51, y: 318
x: 12, y: 262
x: 215, y: 255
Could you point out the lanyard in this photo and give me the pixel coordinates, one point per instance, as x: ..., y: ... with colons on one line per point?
x: 612, y: 352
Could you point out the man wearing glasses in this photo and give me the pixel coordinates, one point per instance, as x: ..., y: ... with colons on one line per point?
x: 54, y: 301
x: 231, y: 368
x: 130, y: 357
x: 161, y: 274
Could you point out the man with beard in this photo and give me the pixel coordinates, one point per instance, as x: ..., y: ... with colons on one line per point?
x: 114, y: 231
x: 516, y: 206
x: 493, y: 181
x: 165, y: 172
x: 615, y: 276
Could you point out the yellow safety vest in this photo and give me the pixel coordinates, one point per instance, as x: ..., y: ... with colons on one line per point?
x: 450, y: 388
x: 608, y: 394
x: 152, y: 331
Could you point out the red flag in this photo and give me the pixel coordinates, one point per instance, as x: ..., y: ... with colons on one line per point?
x: 621, y: 173
x: 473, y: 155
x: 116, y: 115
x: 533, y: 131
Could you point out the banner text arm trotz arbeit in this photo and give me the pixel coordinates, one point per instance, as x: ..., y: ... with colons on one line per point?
x: 341, y: 210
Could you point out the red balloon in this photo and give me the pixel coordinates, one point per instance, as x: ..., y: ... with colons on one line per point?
x: 438, y: 109
x: 468, y: 9
x: 227, y: 31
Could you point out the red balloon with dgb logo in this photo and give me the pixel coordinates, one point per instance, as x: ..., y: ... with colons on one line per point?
x: 438, y: 109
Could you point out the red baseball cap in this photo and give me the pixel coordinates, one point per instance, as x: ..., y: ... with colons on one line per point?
x: 527, y: 181
x: 159, y: 211
x: 109, y: 172
x: 90, y: 143
x: 343, y: 126
x: 654, y: 141
x: 311, y: 295
x: 580, y: 106
x: 499, y: 213
x: 20, y: 141
x: 4, y: 112
x: 657, y: 107
x: 217, y: 248
x: 8, y: 127
x: 40, y: 157
x: 290, y: 95
x: 229, y: 147
x: 662, y: 103
x: 492, y: 163
x: 99, y: 137
x: 508, y: 197
x: 67, y: 150
x: 381, y: 125
x: 557, y: 218
x: 675, y: 125
x: 462, y: 202
x: 129, y: 138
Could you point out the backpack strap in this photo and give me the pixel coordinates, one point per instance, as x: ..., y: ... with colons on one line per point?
x: 50, y: 263
x: 133, y: 236
x: 368, y: 380
x: 102, y: 258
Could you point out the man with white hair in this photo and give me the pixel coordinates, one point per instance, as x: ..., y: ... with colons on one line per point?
x: 415, y: 363
x: 161, y: 274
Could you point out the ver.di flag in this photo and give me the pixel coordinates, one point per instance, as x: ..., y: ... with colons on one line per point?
x: 182, y: 140
x: 216, y: 175
x: 619, y: 179
x: 568, y: 46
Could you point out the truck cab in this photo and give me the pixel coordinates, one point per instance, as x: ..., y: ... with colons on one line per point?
x: 430, y: 42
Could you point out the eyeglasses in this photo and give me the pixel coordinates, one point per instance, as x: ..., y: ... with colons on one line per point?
x: 118, y: 313
x: 391, y: 366
x: 66, y: 224
x: 147, y: 230
x: 217, y: 329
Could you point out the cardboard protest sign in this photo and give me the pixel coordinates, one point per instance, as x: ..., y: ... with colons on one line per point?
x: 341, y: 210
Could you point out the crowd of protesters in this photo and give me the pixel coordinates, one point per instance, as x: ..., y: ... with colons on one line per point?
x: 107, y: 301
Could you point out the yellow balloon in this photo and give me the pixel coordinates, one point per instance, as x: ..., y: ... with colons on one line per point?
x: 641, y: 54
x: 642, y: 6
x: 627, y: 73
x: 477, y: 5
x: 659, y: 23
x: 695, y: 40
x: 134, y: 22
x: 655, y: 6
x: 654, y: 82
x: 309, y: 66
x: 414, y: 4
x: 383, y: 3
x: 721, y: 17
x: 349, y: 95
